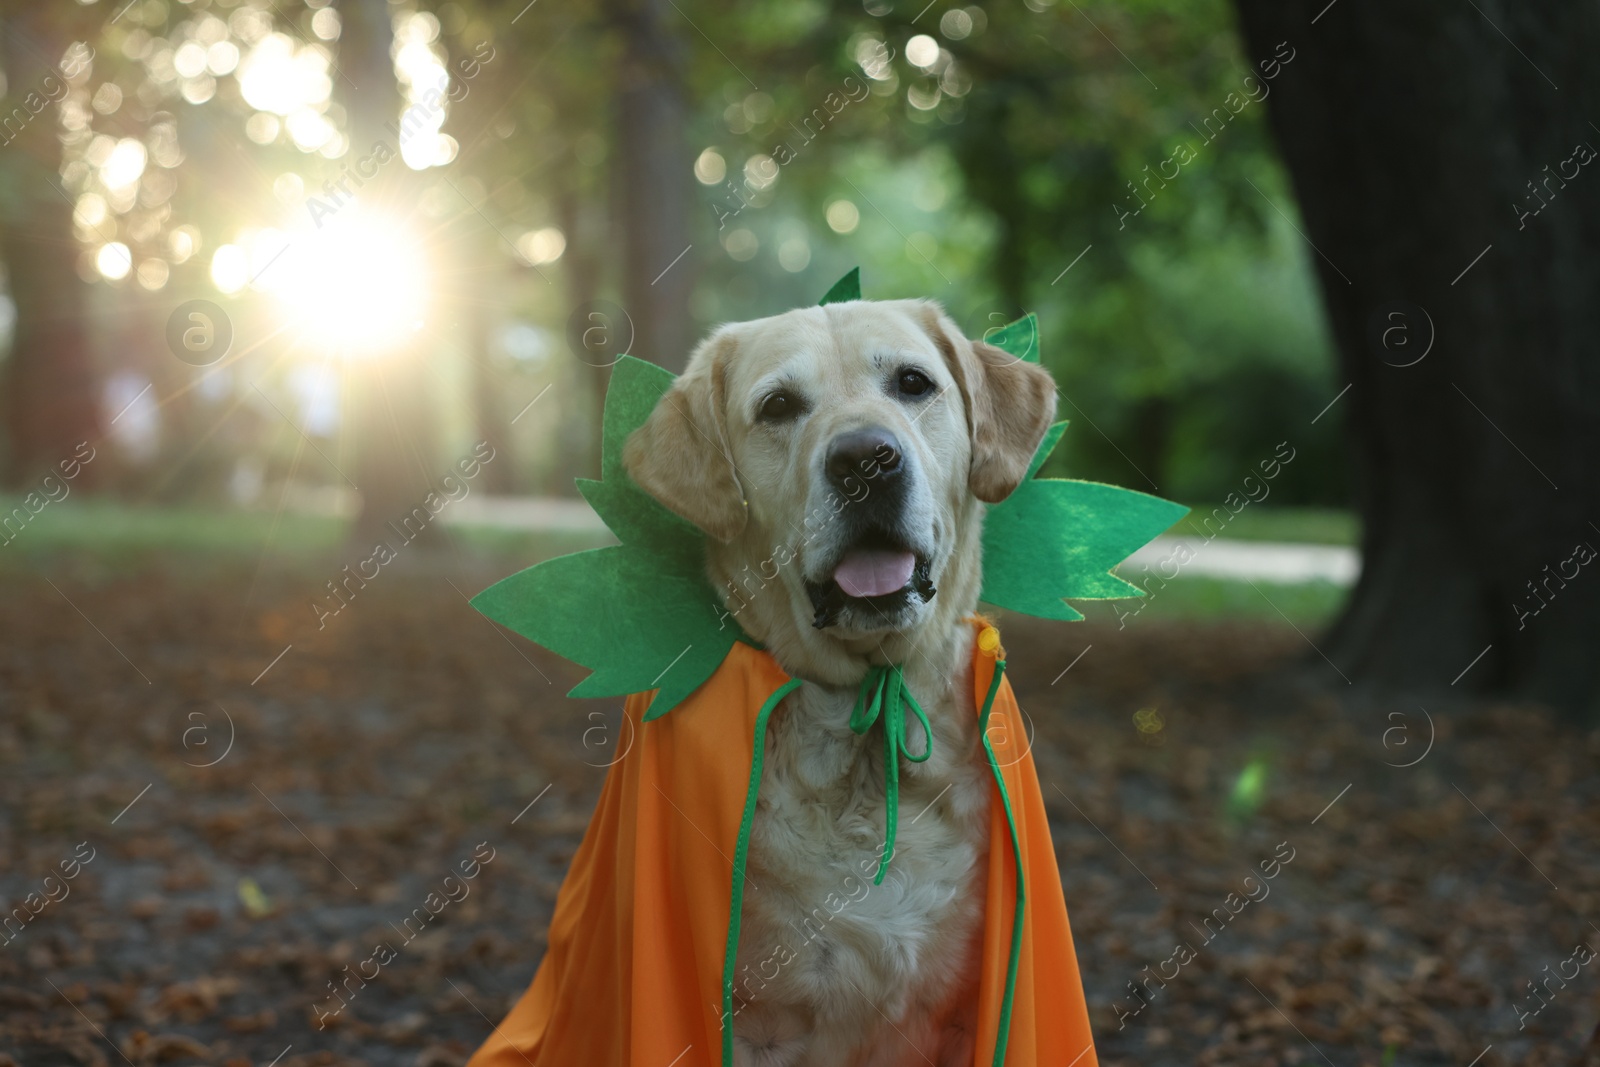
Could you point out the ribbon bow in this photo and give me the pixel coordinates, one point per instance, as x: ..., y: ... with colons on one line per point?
x: 884, y: 694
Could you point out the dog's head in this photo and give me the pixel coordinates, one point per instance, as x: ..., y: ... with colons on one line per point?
x: 837, y: 457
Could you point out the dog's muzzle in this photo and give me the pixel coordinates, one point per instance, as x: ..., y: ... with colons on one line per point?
x: 879, y: 569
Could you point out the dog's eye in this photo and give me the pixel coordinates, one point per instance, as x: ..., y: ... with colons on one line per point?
x: 913, y: 383
x: 780, y: 406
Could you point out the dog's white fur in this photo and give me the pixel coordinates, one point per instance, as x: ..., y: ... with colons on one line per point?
x: 833, y: 970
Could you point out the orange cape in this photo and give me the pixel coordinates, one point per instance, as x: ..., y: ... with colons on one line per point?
x: 640, y: 944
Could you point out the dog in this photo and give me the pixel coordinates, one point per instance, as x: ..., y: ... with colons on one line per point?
x: 888, y: 406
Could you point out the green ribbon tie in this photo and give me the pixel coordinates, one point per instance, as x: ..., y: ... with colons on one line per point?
x: 884, y: 695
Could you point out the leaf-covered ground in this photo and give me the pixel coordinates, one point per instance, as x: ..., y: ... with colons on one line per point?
x: 371, y: 758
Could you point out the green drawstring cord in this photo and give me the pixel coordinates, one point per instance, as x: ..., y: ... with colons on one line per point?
x: 1003, y: 1035
x: 741, y: 856
x: 884, y: 693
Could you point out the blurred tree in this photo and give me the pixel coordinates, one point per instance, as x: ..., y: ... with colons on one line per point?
x: 392, y: 403
x: 974, y: 154
x: 496, y: 88
x: 1106, y: 184
x: 652, y: 171
x: 542, y: 138
x: 1436, y: 162
x: 52, y: 399
x: 1118, y: 166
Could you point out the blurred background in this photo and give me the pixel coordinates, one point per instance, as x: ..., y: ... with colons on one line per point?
x: 273, y: 269
x: 462, y: 210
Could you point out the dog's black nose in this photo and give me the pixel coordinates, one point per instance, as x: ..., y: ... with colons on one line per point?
x: 862, y: 456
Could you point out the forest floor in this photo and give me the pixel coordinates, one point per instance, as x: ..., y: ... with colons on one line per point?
x: 353, y: 767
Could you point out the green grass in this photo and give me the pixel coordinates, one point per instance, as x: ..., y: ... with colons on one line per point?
x: 102, y: 525
x: 1307, y: 604
x: 1255, y: 522
x: 116, y: 532
x: 120, y: 535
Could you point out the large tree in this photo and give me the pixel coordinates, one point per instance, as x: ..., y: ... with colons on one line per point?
x: 392, y: 419
x: 1434, y: 151
x: 50, y: 386
x: 654, y: 195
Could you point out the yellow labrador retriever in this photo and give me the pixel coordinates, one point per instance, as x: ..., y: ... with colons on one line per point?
x: 850, y: 449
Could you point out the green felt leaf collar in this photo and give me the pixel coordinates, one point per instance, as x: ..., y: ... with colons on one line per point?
x: 642, y: 614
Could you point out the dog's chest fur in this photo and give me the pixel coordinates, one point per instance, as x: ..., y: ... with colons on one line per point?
x: 826, y: 958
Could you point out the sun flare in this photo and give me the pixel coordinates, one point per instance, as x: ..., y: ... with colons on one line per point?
x: 356, y: 288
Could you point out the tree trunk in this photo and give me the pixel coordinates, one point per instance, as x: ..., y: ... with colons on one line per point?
x: 50, y: 385
x: 655, y: 196
x: 1412, y: 135
x: 993, y: 175
x: 488, y: 402
x: 583, y: 269
x: 391, y: 420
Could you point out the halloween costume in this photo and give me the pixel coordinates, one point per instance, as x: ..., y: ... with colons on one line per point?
x: 639, y: 968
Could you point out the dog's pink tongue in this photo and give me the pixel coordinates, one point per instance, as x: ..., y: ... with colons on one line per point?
x: 874, y: 572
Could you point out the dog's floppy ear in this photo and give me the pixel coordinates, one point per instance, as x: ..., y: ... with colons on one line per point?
x: 1010, y: 404
x: 681, y: 456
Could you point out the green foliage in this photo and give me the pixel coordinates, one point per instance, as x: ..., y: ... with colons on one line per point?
x: 1187, y: 330
x: 1197, y: 365
x: 1188, y: 333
